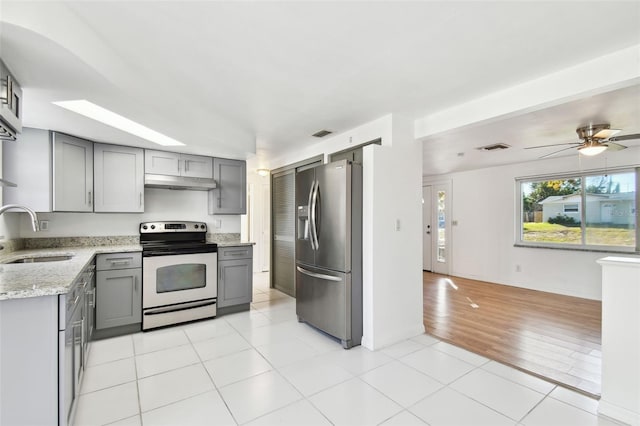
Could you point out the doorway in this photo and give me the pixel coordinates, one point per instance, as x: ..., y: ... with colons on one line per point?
x: 436, y: 232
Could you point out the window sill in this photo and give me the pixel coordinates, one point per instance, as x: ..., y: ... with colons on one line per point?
x: 586, y: 249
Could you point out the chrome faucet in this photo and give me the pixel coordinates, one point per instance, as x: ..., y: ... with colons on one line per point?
x: 34, y: 218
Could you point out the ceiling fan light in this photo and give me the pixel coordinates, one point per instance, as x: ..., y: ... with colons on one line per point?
x: 591, y: 150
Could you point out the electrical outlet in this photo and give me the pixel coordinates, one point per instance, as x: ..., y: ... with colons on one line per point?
x: 44, y: 225
x: 518, y: 268
x: 217, y: 223
x: 397, y: 224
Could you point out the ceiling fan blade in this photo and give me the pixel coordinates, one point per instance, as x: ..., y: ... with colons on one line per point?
x: 557, y: 152
x: 624, y: 138
x: 606, y: 133
x: 555, y: 144
x: 612, y: 146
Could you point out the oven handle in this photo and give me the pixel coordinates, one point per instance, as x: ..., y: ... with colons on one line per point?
x: 180, y: 307
x: 153, y: 253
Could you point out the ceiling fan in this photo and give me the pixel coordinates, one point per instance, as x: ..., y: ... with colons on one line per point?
x: 595, y: 139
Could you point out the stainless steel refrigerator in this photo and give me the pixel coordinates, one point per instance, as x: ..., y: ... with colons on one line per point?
x: 329, y: 249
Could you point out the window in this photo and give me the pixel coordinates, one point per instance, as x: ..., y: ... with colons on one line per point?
x: 571, y: 208
x: 590, y: 211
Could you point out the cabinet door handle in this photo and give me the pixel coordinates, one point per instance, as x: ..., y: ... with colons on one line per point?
x: 141, y: 199
x: 219, y: 202
x: 9, y: 100
x: 135, y: 283
x: 89, y: 198
x: 6, y: 100
x: 186, y: 165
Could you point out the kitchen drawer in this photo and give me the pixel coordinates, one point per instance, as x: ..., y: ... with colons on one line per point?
x: 233, y: 253
x: 109, y: 261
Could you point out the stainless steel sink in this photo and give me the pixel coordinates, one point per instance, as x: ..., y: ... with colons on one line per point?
x: 45, y: 258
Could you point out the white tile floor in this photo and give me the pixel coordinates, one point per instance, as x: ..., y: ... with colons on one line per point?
x: 264, y: 368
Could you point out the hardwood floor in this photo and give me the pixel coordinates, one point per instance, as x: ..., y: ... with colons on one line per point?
x: 549, y: 335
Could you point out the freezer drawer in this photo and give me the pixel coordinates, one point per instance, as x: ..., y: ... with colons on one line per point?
x: 328, y: 301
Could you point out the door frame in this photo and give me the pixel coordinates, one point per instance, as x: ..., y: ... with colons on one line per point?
x: 427, y: 228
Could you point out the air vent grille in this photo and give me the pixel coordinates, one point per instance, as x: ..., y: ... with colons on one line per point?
x: 495, y: 147
x: 322, y: 133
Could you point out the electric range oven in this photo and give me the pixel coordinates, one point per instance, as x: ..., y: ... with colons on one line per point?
x: 179, y: 273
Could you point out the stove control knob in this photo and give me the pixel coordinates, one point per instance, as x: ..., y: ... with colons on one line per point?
x: 153, y: 227
x: 144, y: 226
x: 196, y: 226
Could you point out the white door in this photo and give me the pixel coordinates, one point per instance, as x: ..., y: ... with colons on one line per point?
x: 441, y: 225
x: 427, y: 224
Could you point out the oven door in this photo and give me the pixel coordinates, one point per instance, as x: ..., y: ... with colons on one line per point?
x: 180, y: 278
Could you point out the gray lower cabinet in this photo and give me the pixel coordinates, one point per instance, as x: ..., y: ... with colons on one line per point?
x: 44, y: 345
x: 235, y: 278
x: 118, y: 291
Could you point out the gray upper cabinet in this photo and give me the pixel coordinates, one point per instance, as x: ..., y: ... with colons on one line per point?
x: 230, y: 197
x: 197, y: 166
x: 72, y: 174
x: 174, y: 164
x: 161, y: 162
x: 119, y: 179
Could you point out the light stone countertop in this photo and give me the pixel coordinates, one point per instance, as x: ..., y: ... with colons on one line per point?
x: 235, y: 243
x: 23, y: 280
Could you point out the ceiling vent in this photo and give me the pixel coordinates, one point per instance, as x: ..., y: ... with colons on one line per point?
x: 322, y: 133
x: 494, y: 147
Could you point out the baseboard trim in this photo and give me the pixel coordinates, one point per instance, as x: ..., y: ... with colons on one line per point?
x: 618, y: 413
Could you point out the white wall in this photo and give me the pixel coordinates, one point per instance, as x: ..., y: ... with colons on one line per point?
x: 392, y: 259
x: 484, y: 205
x: 9, y: 223
x: 159, y: 204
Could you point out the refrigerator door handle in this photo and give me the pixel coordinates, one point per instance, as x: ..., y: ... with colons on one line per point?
x: 311, y: 217
x: 320, y: 276
x: 312, y: 213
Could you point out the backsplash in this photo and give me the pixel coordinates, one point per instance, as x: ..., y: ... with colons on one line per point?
x: 9, y: 246
x: 37, y: 243
x: 228, y: 237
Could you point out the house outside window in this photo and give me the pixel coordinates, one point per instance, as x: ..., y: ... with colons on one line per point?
x: 585, y: 211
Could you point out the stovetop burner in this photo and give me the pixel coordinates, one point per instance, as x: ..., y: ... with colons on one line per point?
x: 166, y: 238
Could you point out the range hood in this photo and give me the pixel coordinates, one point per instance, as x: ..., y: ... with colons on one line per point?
x: 178, y: 182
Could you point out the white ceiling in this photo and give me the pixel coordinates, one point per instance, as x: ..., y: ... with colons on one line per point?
x: 236, y: 78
